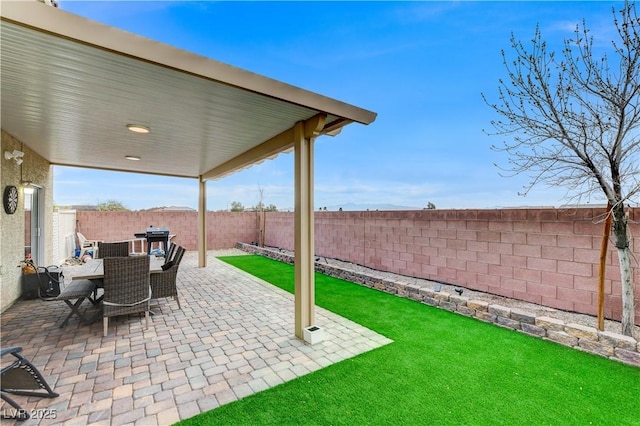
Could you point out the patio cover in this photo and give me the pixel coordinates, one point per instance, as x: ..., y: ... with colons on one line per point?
x: 70, y: 86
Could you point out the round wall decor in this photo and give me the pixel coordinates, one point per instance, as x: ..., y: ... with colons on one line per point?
x: 10, y: 199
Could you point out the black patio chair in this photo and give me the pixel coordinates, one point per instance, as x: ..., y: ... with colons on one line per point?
x: 21, y: 378
x: 169, y: 254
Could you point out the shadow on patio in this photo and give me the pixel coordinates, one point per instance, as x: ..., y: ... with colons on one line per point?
x: 233, y: 337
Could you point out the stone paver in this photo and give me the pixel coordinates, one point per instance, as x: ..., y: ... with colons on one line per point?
x: 232, y: 338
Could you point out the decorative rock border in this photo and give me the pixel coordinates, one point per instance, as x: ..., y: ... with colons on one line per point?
x: 604, y: 343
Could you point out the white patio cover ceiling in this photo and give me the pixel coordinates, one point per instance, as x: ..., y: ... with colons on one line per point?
x: 70, y: 86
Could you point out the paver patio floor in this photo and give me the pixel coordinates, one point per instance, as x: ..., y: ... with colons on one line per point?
x: 233, y: 337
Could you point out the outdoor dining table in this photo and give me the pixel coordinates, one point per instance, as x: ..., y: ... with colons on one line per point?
x: 85, y: 280
x: 94, y: 269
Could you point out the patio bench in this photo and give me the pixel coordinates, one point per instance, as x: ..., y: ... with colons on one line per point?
x: 77, y: 290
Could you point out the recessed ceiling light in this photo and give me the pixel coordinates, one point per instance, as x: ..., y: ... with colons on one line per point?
x: 132, y: 157
x: 138, y: 128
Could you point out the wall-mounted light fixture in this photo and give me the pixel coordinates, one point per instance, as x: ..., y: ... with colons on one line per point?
x: 132, y: 157
x: 14, y: 155
x: 27, y: 187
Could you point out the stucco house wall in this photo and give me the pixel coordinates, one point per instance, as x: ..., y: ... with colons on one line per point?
x: 13, y: 227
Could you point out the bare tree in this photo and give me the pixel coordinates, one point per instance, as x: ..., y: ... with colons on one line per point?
x: 575, y: 121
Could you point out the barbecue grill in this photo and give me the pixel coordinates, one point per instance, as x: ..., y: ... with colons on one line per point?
x: 155, y: 235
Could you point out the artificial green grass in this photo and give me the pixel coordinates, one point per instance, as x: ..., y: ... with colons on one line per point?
x: 442, y: 368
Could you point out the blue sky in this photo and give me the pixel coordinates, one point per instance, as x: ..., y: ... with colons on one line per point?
x: 422, y: 66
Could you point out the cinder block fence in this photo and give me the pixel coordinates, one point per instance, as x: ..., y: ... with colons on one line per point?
x: 543, y: 256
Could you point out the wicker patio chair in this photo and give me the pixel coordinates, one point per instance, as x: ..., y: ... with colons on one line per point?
x: 163, y: 284
x: 126, y: 287
x: 21, y: 378
x: 169, y: 254
x: 120, y: 249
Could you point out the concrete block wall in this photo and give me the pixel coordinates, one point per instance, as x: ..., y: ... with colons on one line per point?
x: 225, y: 229
x: 543, y: 256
